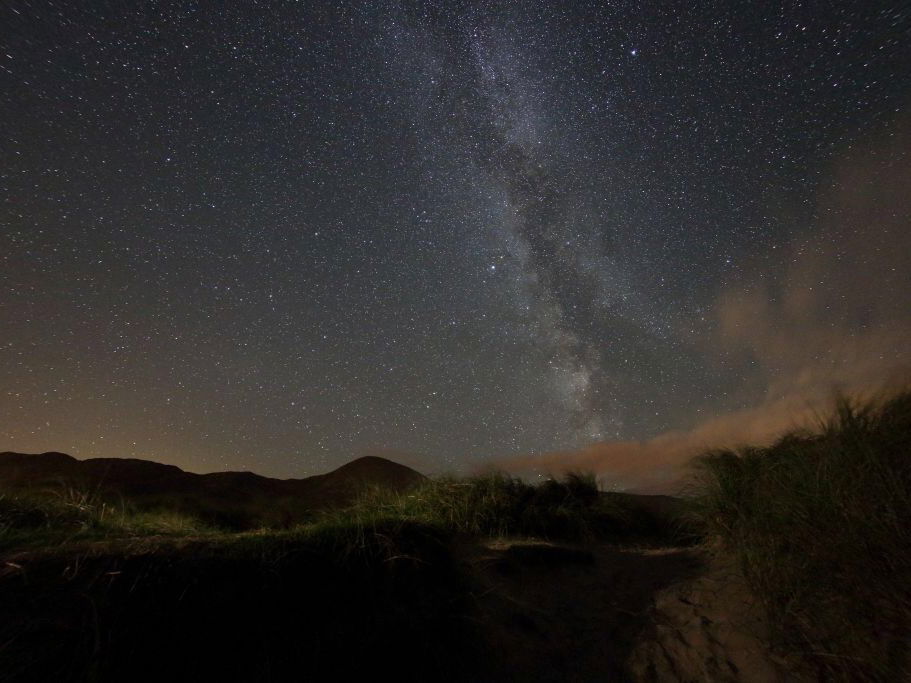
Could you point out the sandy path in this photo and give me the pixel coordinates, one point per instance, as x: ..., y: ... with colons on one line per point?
x: 559, y: 613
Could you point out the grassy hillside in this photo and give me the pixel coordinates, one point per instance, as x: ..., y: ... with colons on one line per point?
x: 821, y: 525
x: 486, y: 506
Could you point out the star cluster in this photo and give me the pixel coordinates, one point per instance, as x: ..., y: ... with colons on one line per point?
x: 276, y: 235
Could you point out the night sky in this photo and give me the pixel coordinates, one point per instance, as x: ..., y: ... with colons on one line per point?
x: 276, y: 236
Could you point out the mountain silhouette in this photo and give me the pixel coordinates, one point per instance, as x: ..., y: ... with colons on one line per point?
x: 233, y: 499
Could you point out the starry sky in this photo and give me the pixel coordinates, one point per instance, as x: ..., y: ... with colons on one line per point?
x: 278, y: 235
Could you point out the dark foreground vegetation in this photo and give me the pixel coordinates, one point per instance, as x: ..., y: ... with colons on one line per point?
x: 821, y: 525
x: 95, y: 592
x: 397, y: 582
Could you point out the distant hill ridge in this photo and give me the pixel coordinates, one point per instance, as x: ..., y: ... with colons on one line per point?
x: 237, y: 499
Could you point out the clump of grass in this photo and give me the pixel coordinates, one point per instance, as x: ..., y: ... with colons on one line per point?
x: 37, y: 517
x: 821, y: 525
x: 26, y: 512
x: 491, y: 505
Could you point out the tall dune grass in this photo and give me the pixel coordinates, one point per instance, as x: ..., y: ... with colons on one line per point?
x: 821, y: 525
x: 493, y: 505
